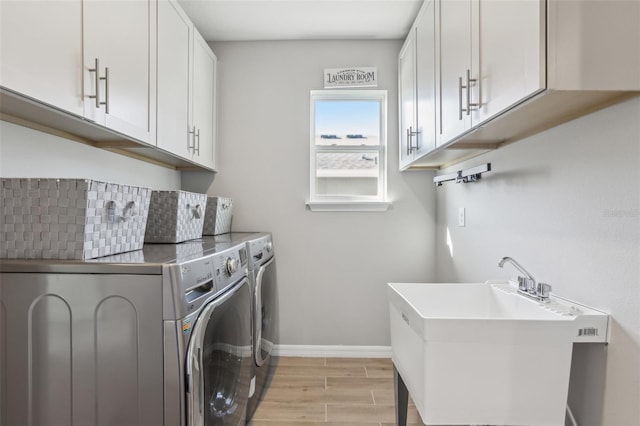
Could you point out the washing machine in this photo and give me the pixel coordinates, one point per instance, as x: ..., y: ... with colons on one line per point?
x: 262, y: 276
x: 210, y: 326
x: 157, y: 336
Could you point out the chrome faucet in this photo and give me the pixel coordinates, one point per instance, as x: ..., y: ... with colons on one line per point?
x: 527, y: 283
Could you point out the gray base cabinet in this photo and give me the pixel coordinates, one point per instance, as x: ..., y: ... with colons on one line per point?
x: 73, y: 352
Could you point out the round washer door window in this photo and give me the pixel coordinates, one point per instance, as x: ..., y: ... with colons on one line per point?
x: 220, y: 357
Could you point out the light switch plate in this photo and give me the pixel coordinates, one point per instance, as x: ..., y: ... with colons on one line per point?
x: 461, y: 216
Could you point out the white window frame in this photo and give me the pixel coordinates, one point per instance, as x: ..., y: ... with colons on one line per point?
x: 378, y: 202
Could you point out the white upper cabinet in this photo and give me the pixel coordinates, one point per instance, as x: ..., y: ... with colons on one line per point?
x: 509, y: 64
x: 49, y: 48
x: 454, y: 60
x: 416, y: 71
x: 407, y: 97
x: 425, y: 34
x: 119, y: 39
x: 41, y: 48
x: 490, y: 57
x: 134, y: 76
x: 186, y: 99
x: 174, y: 64
x: 204, y: 102
x: 508, y: 69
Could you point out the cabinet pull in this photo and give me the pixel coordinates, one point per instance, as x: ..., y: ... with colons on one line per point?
x: 96, y: 69
x: 106, y: 89
x: 191, y: 147
x: 470, y: 105
x: 197, y: 143
x: 416, y: 133
x: 410, y: 135
x: 460, y: 87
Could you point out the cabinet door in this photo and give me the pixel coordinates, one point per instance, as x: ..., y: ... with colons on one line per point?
x: 174, y: 58
x: 407, y: 97
x: 119, y: 35
x: 511, y: 68
x: 88, y: 346
x: 426, y: 80
x: 454, y: 56
x: 204, y: 101
x: 41, y: 45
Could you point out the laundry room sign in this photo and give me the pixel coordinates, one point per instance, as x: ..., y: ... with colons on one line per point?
x: 350, y: 77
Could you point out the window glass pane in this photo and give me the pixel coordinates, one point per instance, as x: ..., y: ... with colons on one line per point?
x: 348, y: 138
x: 341, y: 122
x: 347, y: 164
x: 354, y: 174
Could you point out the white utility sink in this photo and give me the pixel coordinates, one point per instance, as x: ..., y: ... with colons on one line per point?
x: 484, y: 354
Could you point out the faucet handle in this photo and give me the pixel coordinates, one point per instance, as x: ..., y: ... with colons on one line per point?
x: 544, y: 290
x: 522, y: 283
x: 526, y: 285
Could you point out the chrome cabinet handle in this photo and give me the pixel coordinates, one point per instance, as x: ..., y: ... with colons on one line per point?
x: 197, y: 139
x: 470, y: 106
x: 191, y: 147
x: 470, y: 81
x: 416, y: 133
x: 106, y: 89
x: 410, y: 135
x: 460, y: 87
x: 96, y: 69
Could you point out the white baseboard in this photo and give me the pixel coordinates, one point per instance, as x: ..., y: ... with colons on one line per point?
x: 334, y: 351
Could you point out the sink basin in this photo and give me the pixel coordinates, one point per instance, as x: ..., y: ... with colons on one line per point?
x: 482, y: 353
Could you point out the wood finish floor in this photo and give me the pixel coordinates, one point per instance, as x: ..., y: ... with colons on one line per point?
x: 330, y: 391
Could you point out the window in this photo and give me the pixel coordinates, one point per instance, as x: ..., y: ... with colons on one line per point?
x: 348, y: 150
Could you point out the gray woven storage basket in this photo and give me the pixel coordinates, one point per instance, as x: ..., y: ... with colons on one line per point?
x: 71, y: 218
x: 175, y: 216
x: 218, y: 217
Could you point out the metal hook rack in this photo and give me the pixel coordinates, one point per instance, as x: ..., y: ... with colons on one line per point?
x: 463, y: 176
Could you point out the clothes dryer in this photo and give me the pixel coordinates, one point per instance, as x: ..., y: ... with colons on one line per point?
x: 262, y: 275
x: 264, y: 285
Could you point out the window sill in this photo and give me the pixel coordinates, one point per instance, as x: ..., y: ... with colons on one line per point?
x: 348, y: 206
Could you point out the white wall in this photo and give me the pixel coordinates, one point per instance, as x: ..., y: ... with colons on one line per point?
x: 29, y: 153
x: 332, y: 267
x: 566, y: 204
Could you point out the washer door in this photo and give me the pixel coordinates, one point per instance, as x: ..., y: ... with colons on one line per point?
x: 219, y: 361
x: 266, y: 311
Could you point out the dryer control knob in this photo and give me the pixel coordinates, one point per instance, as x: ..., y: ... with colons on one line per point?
x: 268, y: 246
x: 232, y: 265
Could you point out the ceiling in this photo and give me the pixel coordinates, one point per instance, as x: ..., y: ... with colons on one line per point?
x: 228, y: 20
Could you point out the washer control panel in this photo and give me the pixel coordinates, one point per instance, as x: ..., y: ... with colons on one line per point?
x: 260, y: 250
x: 197, y: 273
x: 230, y: 266
x: 191, y: 284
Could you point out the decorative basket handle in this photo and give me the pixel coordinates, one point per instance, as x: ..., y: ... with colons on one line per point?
x: 128, y: 211
x: 196, y: 211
